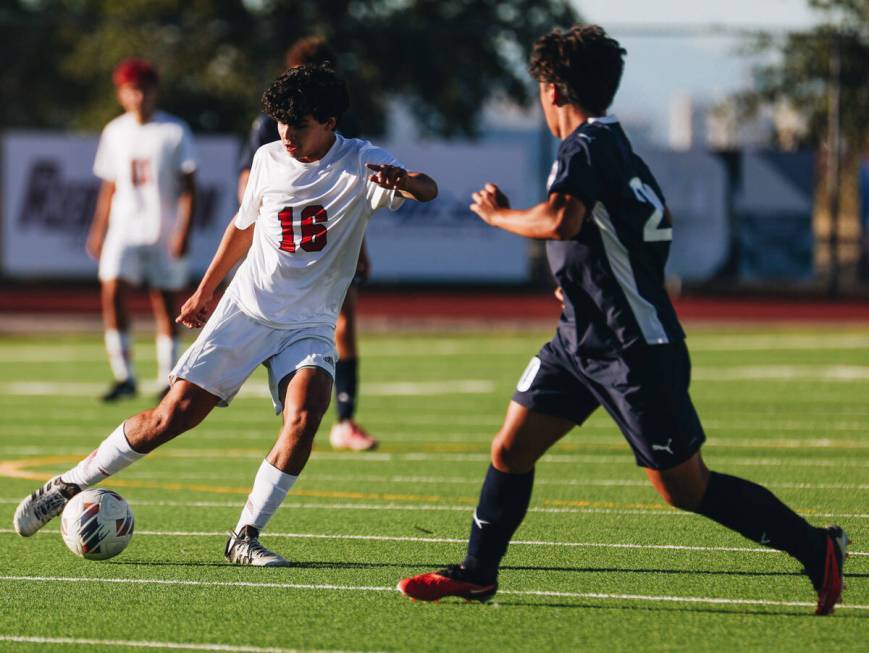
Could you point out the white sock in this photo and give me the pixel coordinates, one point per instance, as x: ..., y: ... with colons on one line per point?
x: 167, y: 355
x: 113, y: 455
x: 270, y: 487
x: 118, y: 349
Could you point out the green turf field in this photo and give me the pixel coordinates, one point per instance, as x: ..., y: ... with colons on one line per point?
x: 599, y: 564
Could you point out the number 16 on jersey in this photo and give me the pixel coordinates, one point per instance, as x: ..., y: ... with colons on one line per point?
x: 311, y: 226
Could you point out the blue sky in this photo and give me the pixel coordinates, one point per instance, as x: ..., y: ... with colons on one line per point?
x: 706, y: 67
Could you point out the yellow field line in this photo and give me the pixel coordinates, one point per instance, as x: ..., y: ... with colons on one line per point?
x: 21, y: 469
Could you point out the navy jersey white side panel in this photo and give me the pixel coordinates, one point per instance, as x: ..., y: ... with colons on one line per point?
x: 617, y: 255
x: 612, y: 271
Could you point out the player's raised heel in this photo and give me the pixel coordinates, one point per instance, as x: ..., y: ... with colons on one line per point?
x: 243, y: 548
x: 455, y: 580
x: 42, y: 506
x: 829, y: 582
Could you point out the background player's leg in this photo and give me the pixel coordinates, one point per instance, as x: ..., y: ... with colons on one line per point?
x: 113, y: 294
x: 524, y: 437
x: 346, y: 433
x: 745, y: 507
x: 164, y: 304
x: 306, y: 396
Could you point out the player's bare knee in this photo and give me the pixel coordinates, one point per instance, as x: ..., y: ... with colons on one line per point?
x: 510, y: 458
x: 681, y: 498
x: 301, y: 424
x: 173, y: 418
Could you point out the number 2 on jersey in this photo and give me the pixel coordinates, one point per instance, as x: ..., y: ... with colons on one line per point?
x: 312, y: 228
x: 652, y: 229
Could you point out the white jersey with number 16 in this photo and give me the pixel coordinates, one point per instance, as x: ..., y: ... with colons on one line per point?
x: 310, y: 219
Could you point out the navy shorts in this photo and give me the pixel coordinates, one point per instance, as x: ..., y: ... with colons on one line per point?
x: 644, y: 388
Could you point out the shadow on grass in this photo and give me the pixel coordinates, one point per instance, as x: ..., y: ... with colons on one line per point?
x: 736, y: 611
x: 293, y: 565
x: 687, y: 572
x: 428, y: 566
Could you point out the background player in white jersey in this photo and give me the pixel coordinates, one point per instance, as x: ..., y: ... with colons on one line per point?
x: 346, y: 432
x: 301, y: 224
x: 141, y: 227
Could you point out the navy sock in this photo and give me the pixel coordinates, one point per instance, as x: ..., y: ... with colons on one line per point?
x: 756, y: 513
x: 502, y: 507
x: 346, y: 380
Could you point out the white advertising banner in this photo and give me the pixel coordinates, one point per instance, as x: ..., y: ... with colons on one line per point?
x: 443, y: 241
x: 49, y: 194
x: 696, y: 189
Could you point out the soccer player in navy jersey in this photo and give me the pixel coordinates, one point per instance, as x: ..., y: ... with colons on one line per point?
x: 618, y: 343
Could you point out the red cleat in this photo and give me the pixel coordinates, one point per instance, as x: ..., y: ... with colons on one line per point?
x: 452, y: 581
x: 829, y: 587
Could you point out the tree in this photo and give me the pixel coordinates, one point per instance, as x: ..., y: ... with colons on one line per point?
x: 801, y: 71
x: 822, y: 73
x: 444, y: 58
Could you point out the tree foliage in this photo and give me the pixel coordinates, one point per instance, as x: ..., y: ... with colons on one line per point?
x: 801, y: 73
x: 444, y: 58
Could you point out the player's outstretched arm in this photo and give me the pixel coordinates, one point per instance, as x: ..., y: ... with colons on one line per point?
x: 411, y: 185
x: 558, y: 218
x: 233, y: 247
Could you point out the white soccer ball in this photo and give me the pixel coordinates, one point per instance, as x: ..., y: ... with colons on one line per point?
x: 97, y: 524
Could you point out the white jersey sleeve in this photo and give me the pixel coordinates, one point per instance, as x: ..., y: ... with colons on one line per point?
x: 378, y: 196
x: 252, y: 199
x: 105, y: 163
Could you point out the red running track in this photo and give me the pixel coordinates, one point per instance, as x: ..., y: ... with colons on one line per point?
x: 463, y: 305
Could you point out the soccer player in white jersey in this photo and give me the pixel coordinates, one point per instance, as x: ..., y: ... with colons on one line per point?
x: 141, y: 226
x: 301, y: 224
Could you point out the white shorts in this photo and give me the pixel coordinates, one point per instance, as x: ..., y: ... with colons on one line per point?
x: 232, y: 344
x: 150, y: 265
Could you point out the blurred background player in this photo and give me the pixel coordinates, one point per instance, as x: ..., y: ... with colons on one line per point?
x: 346, y: 433
x: 141, y: 226
x: 618, y: 344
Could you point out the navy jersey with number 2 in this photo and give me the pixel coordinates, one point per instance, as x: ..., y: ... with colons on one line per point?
x: 612, y: 271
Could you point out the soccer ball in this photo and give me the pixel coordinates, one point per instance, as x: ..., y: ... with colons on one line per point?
x: 97, y: 524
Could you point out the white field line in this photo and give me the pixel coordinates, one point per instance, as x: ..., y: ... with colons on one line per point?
x: 475, y: 480
x: 454, y: 540
x: 607, y: 482
x: 834, y: 340
x: 173, y: 646
x: 584, y: 438
x: 354, y: 588
x: 394, y: 389
x: 817, y: 373
x: 778, y: 342
x: 844, y: 373
x: 429, y: 507
x: 821, y: 419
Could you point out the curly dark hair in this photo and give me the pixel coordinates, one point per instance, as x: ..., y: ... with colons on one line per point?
x: 306, y: 90
x: 584, y: 63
